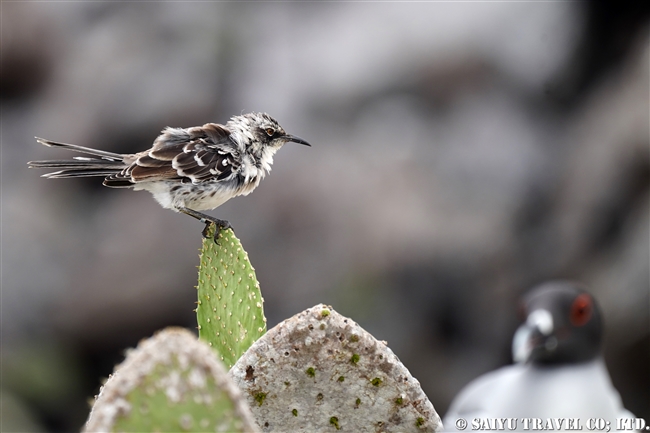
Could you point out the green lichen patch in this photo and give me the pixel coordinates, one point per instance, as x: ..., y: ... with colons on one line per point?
x: 311, y: 372
x: 294, y: 412
x: 355, y: 358
x: 376, y: 381
x: 260, y: 397
x: 229, y: 310
x: 335, y: 422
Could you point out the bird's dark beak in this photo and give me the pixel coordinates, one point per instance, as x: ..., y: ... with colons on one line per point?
x: 295, y: 139
x: 535, y: 339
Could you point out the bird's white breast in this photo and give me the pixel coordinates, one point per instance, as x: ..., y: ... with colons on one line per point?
x: 202, y: 196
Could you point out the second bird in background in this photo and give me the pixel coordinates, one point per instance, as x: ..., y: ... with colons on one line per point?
x: 559, y: 372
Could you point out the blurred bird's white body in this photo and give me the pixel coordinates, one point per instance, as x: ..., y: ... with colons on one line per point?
x: 581, y: 391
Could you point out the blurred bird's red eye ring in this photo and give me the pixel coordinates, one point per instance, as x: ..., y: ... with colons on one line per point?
x: 581, y: 310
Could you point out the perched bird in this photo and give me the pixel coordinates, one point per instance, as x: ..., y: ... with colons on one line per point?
x: 559, y: 371
x: 187, y: 169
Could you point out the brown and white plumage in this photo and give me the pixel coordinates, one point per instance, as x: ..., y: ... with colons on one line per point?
x: 186, y: 169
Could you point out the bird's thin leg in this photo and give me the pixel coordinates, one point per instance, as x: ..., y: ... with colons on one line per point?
x: 207, y: 220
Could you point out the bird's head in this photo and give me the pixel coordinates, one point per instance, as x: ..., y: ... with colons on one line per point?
x: 260, y: 131
x: 562, y: 324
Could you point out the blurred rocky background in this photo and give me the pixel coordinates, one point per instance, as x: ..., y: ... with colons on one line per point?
x: 462, y: 152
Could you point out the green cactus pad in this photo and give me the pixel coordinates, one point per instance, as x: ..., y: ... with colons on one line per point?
x: 171, y: 382
x: 229, y: 311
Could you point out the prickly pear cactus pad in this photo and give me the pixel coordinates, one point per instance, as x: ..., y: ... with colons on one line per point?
x: 229, y: 308
x: 320, y: 371
x: 170, y: 382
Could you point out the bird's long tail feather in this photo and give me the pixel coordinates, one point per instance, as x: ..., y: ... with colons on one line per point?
x: 103, y: 164
x: 86, y: 150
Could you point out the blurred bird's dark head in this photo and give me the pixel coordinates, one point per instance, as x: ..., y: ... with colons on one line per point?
x: 562, y: 324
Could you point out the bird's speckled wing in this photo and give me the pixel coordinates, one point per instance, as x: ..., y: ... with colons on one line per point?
x: 192, y: 155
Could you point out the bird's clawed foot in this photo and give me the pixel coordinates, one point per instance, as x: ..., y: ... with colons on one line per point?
x: 220, y: 225
x: 208, y: 221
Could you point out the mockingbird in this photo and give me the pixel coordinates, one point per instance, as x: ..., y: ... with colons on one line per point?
x: 187, y: 169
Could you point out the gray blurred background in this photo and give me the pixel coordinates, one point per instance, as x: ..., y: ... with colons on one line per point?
x: 462, y: 153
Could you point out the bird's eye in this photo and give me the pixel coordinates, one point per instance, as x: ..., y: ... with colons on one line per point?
x: 581, y: 310
x: 270, y: 131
